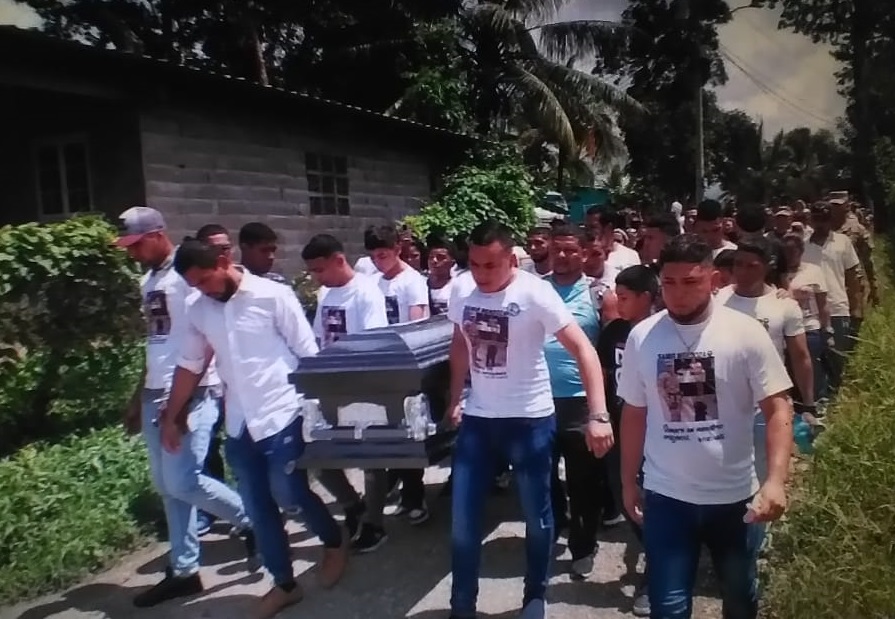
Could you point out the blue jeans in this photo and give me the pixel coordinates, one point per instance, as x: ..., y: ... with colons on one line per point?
x: 673, y: 535
x: 482, y: 444
x: 179, y: 480
x: 268, y: 480
x: 817, y: 347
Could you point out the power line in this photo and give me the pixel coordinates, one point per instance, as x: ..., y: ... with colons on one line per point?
x: 773, y: 89
x: 770, y: 91
x: 764, y: 76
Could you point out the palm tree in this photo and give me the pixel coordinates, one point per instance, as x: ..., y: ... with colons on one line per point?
x: 521, y: 70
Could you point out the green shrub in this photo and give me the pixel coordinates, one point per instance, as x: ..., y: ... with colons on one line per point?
x: 70, y: 508
x: 833, y: 555
x: 70, y: 328
x: 494, y: 185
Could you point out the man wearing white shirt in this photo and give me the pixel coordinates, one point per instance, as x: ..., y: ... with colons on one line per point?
x: 178, y: 477
x: 364, y: 265
x: 500, y: 328
x: 406, y: 299
x: 441, y: 259
x: 347, y: 302
x: 258, y: 332
x: 710, y: 226
x: 695, y: 439
x: 835, y: 254
x: 538, y: 248
x: 782, y: 318
x: 603, y: 225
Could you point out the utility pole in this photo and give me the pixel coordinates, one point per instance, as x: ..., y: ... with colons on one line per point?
x: 700, y: 144
x: 690, y: 23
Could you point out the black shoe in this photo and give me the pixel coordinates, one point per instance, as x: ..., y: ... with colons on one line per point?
x: 170, y: 588
x: 369, y: 538
x: 353, y: 515
x: 253, y: 557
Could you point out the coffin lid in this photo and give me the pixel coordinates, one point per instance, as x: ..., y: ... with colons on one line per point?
x: 408, y: 346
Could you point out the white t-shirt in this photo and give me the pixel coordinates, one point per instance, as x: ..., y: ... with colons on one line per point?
x: 699, y: 445
x: 405, y: 290
x: 621, y: 257
x: 725, y: 245
x: 505, y: 333
x: 837, y: 256
x: 439, y: 298
x: 356, y: 306
x: 807, y: 282
x: 781, y: 318
x: 165, y: 298
x: 365, y: 266
x: 528, y: 265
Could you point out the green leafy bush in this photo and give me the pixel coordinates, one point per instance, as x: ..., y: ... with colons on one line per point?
x: 70, y: 508
x: 70, y: 328
x: 494, y: 185
x: 833, y: 555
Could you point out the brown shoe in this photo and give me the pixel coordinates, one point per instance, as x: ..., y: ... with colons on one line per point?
x: 276, y: 600
x: 335, y: 560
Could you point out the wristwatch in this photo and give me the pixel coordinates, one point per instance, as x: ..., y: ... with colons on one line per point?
x: 599, y: 417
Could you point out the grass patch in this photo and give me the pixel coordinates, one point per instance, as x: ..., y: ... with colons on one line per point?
x: 834, y: 554
x: 71, y: 508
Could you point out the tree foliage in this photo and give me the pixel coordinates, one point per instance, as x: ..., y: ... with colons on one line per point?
x: 493, y: 185
x: 862, y: 33
x: 671, y: 55
x: 70, y: 325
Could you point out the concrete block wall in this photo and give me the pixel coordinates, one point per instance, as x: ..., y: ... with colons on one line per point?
x: 206, y: 168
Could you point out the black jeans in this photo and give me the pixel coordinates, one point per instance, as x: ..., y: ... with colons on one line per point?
x: 413, y: 490
x: 584, y: 478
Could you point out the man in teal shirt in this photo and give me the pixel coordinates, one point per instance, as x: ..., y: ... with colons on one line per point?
x: 583, y: 470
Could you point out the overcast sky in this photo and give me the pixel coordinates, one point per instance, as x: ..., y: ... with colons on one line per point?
x: 796, y: 88
x: 797, y: 84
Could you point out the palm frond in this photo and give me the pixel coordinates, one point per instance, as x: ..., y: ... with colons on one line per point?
x: 502, y: 26
x: 534, y: 10
x: 583, y: 38
x: 546, y: 110
x: 586, y: 85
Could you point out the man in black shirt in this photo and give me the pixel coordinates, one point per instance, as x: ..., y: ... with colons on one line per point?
x: 636, y: 289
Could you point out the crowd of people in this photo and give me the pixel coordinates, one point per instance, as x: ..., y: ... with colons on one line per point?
x: 658, y: 361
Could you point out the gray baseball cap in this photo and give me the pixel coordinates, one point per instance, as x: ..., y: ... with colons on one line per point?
x: 136, y: 222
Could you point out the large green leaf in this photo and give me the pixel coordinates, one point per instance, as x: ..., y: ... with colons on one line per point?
x: 544, y: 106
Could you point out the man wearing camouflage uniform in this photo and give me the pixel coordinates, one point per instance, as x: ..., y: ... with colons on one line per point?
x: 846, y: 222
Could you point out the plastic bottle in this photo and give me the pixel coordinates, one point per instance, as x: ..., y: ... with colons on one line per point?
x: 803, y: 435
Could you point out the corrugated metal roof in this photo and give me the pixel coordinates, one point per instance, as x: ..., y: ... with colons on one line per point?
x: 18, y: 36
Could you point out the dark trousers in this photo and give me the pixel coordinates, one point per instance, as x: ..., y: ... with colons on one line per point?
x: 413, y: 490
x: 674, y: 532
x: 585, y: 479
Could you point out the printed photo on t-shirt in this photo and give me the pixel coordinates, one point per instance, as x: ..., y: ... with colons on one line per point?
x: 157, y: 314
x: 391, y: 310
x: 686, y: 384
x: 488, y: 332
x: 334, y: 324
x: 437, y: 307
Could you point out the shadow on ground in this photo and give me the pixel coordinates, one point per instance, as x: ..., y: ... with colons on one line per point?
x: 408, y: 577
